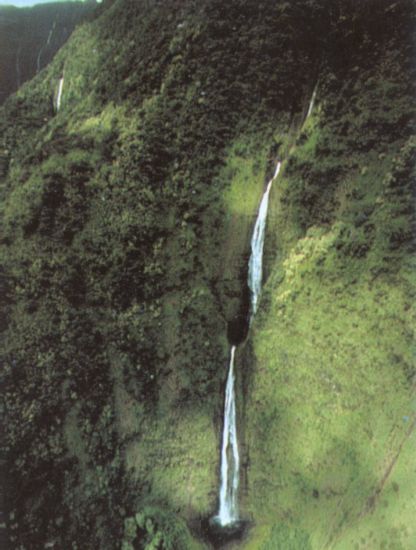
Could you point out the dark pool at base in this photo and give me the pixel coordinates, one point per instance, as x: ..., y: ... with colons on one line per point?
x: 219, y: 535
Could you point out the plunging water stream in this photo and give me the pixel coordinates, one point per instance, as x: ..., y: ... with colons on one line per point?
x: 59, y: 97
x: 255, y: 264
x: 44, y: 47
x: 230, y: 459
x: 311, y: 103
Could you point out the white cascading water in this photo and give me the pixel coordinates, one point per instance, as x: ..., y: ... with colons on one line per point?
x: 311, y: 103
x: 230, y: 459
x: 59, y: 97
x: 255, y: 264
x: 38, y: 64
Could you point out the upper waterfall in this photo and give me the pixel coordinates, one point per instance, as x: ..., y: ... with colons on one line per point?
x: 255, y: 266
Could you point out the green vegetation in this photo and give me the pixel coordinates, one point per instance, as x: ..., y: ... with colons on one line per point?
x: 153, y: 529
x: 125, y: 227
x: 286, y: 539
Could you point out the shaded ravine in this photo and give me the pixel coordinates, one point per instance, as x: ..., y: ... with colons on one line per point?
x: 228, y: 513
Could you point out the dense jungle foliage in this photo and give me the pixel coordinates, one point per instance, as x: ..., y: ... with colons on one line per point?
x: 126, y: 217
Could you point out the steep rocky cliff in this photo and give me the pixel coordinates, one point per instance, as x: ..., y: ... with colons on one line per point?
x: 127, y: 208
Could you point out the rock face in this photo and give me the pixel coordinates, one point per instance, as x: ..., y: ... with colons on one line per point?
x: 125, y: 225
x: 30, y: 37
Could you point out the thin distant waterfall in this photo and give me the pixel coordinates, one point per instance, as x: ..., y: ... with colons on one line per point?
x: 18, y: 76
x: 59, y: 97
x: 311, y: 103
x: 230, y: 459
x: 38, y: 60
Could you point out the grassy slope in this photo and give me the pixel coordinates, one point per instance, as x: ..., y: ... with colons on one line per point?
x: 126, y: 223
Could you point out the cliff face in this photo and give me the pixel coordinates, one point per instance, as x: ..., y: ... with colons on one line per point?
x: 30, y: 37
x: 126, y: 218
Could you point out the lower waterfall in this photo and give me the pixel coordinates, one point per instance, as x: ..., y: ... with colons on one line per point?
x: 230, y: 459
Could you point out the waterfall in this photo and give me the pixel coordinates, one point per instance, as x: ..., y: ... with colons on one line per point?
x: 59, y: 97
x: 38, y: 65
x: 255, y: 264
x: 311, y: 103
x: 230, y: 459
x: 18, y: 65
